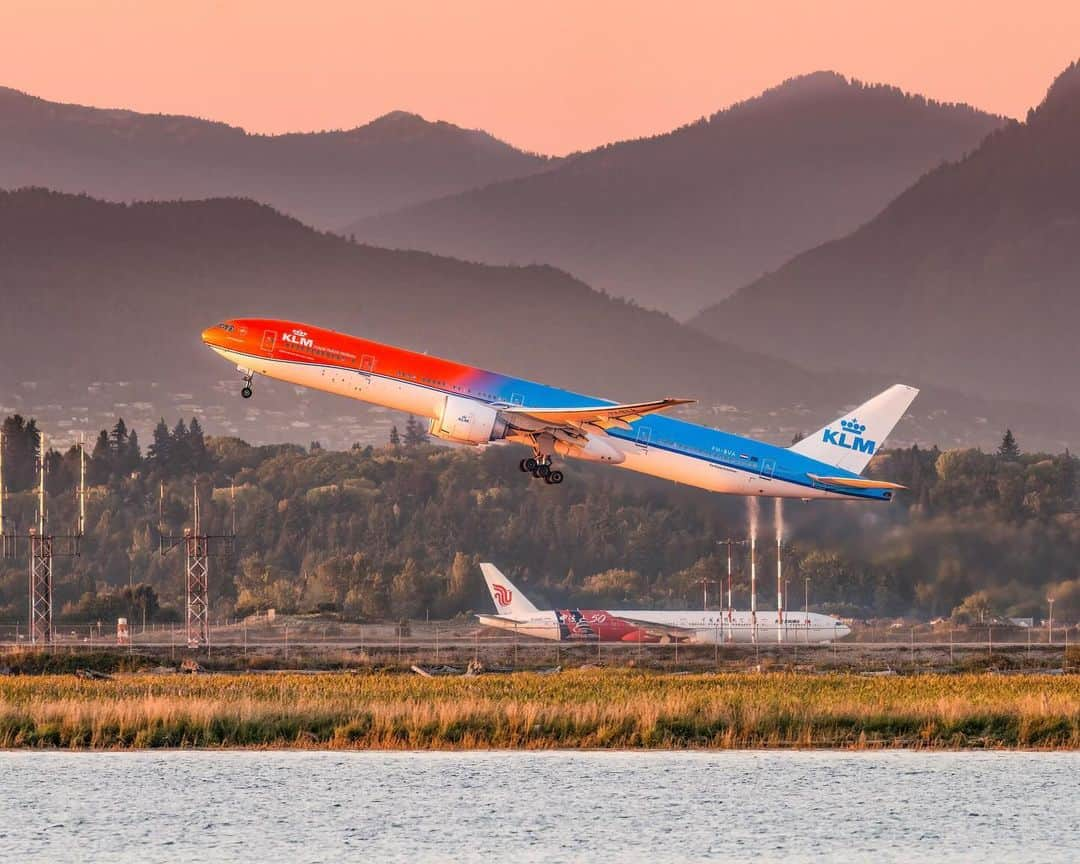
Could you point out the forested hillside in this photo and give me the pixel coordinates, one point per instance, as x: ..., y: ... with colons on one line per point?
x: 968, y: 280
x: 132, y: 287
x: 394, y: 531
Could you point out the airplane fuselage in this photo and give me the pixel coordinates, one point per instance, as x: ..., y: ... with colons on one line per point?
x: 441, y: 389
x: 630, y: 625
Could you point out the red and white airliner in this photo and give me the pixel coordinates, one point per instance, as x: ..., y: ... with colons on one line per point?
x: 515, y: 612
x: 473, y: 406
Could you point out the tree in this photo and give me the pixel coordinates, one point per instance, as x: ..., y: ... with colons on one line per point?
x: 160, y: 451
x: 22, y: 441
x: 101, y: 462
x: 1009, y: 449
x: 395, y: 438
x: 118, y: 438
x: 181, y: 448
x: 415, y: 434
x: 196, y: 442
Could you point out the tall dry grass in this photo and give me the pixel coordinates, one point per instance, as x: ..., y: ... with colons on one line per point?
x: 584, y: 708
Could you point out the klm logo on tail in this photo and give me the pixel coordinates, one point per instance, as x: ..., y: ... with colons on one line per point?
x: 850, y: 437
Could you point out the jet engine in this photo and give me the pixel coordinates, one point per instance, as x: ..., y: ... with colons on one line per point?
x: 595, y: 449
x: 466, y: 421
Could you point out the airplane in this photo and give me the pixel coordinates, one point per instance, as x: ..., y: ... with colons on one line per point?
x: 515, y: 612
x: 473, y: 406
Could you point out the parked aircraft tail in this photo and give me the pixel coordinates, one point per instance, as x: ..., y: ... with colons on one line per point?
x: 507, y: 598
x: 850, y: 441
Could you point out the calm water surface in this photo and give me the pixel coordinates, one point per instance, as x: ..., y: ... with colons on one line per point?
x: 539, y: 807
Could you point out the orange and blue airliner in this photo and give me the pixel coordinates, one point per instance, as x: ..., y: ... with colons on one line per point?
x: 467, y: 405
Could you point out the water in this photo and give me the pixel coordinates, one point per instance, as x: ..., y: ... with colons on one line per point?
x: 539, y: 807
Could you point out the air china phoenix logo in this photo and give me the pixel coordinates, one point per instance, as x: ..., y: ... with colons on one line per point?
x: 503, y: 595
x: 298, y: 337
x: 849, y: 437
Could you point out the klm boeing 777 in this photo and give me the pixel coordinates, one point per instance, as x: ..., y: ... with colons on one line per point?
x: 467, y: 405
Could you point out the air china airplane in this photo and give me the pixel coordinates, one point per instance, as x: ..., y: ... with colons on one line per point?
x: 472, y: 406
x: 515, y: 612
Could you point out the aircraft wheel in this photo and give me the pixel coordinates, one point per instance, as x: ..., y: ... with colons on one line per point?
x: 530, y: 465
x: 246, y: 392
x: 543, y: 470
x: 555, y: 478
x: 523, y: 466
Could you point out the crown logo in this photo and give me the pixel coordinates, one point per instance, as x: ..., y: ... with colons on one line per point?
x: 299, y: 333
x: 853, y: 426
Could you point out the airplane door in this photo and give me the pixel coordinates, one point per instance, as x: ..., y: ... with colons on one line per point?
x: 767, y: 468
x: 367, y: 364
x: 268, y: 341
x: 644, y: 435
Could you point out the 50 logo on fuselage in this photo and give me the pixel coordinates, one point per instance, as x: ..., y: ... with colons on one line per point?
x: 502, y: 594
x: 850, y: 437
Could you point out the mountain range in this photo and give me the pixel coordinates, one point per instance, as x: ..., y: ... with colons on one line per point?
x: 969, y: 279
x: 680, y: 220
x: 108, y: 301
x: 323, y: 178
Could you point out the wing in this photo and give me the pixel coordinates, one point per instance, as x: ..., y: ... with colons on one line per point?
x: 655, y: 629
x: 572, y: 419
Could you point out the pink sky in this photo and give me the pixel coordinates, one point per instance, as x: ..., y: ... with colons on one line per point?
x: 551, y: 76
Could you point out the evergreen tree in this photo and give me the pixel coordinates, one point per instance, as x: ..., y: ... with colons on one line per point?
x: 118, y: 439
x: 132, y: 456
x: 160, y: 451
x: 101, y: 462
x: 415, y: 434
x: 197, y: 454
x: 1009, y: 449
x: 22, y: 442
x: 181, y: 448
x: 395, y: 438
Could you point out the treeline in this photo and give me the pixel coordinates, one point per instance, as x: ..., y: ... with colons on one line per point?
x: 397, y: 532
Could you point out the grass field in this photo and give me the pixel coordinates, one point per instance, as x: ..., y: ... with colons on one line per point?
x: 581, y: 708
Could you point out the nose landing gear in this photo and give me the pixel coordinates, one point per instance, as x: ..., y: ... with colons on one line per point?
x: 246, y: 390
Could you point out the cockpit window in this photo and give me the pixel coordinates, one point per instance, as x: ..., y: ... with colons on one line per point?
x: 228, y: 328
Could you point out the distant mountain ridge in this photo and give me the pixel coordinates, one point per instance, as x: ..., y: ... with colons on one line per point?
x: 970, y: 279
x: 323, y: 178
x: 679, y: 220
x: 111, y: 299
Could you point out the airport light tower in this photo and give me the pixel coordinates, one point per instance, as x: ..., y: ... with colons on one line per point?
x: 199, y: 549
x: 44, y: 546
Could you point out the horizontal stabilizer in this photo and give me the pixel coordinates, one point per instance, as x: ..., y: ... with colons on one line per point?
x: 855, y: 482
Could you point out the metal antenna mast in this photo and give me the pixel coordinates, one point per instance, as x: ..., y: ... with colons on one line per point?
x: 5, y: 551
x: 44, y: 547
x: 199, y: 548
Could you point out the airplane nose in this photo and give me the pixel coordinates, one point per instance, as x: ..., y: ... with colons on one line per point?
x: 209, y: 335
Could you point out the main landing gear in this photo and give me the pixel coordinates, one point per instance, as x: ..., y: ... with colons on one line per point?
x: 246, y: 390
x: 540, y: 468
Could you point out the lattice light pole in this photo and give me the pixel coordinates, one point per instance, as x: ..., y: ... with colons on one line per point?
x: 43, y: 546
x: 199, y: 548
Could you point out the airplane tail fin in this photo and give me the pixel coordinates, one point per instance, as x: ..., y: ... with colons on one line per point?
x: 507, y: 598
x: 851, y: 440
